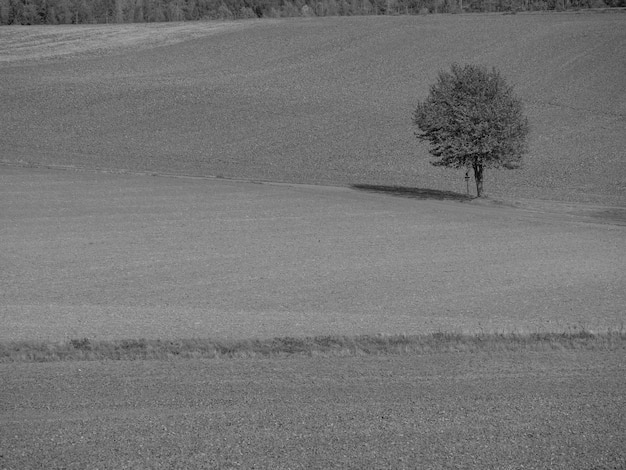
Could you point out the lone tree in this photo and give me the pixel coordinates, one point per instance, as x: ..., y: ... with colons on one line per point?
x: 472, y: 120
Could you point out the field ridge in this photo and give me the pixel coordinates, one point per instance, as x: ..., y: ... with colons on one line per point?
x: 85, y: 349
x: 594, y: 213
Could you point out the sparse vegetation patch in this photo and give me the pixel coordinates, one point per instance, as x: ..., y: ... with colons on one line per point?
x: 84, y: 349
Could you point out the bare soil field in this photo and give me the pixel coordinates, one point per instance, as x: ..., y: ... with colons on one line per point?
x: 556, y: 410
x: 43, y: 44
x: 98, y: 243
x: 109, y: 256
x: 318, y: 100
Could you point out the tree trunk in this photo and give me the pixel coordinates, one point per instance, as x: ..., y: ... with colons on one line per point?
x: 478, y: 176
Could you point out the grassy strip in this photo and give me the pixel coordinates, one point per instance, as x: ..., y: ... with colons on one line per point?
x: 144, y: 349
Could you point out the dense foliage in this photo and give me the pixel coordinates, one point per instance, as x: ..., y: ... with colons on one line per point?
x: 472, y: 119
x: 133, y: 11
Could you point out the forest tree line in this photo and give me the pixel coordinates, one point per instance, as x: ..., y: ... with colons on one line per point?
x: 50, y: 12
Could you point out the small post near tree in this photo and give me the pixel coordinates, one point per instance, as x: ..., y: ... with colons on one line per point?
x: 472, y: 120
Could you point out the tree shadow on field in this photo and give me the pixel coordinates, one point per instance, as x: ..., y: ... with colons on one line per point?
x: 415, y: 193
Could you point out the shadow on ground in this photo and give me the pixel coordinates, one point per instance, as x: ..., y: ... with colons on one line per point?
x: 417, y: 193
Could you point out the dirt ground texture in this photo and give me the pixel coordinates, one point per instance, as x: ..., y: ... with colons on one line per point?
x: 558, y: 410
x: 107, y: 256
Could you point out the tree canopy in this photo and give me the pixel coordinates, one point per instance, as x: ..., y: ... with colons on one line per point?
x: 472, y: 119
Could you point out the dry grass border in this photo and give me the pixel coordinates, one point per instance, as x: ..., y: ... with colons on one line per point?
x: 332, y: 346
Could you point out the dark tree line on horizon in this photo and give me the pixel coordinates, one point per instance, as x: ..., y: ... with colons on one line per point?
x: 51, y: 12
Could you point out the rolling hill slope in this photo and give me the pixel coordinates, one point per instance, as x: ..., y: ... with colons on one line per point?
x: 322, y: 100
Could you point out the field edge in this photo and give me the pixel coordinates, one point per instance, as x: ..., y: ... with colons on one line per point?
x: 611, y: 214
x: 84, y: 349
